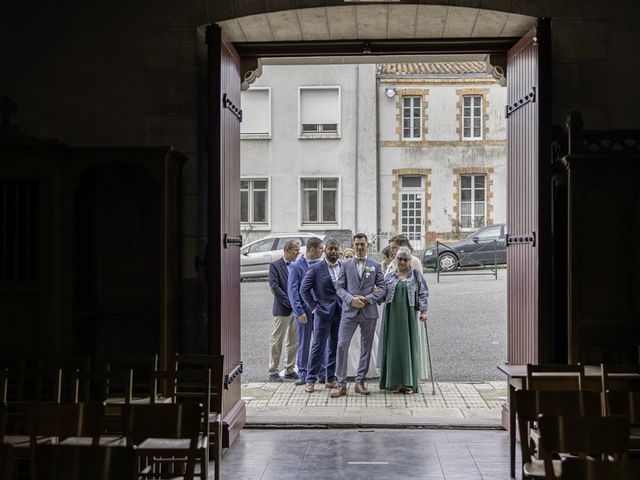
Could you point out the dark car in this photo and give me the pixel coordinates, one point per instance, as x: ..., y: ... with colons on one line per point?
x: 485, y: 246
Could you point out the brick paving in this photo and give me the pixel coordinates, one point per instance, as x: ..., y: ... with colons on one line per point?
x: 472, y: 404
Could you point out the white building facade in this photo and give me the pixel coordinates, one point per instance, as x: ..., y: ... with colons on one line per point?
x: 418, y: 149
x: 308, y: 150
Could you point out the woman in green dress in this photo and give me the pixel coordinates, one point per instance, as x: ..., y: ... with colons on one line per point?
x: 406, y: 302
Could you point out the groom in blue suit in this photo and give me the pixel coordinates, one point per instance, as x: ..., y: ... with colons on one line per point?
x: 301, y: 312
x: 318, y: 291
x: 360, y: 287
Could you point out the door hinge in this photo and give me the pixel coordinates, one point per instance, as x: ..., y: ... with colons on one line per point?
x: 528, y: 98
x: 529, y: 239
x: 232, y: 240
x: 232, y: 107
x: 233, y: 374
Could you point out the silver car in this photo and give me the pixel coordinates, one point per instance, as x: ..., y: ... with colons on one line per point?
x: 255, y: 257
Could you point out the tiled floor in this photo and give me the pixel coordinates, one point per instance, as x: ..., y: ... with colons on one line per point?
x: 453, y: 403
x: 368, y: 454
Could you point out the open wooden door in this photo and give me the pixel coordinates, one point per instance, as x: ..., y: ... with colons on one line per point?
x: 529, y: 197
x: 223, y: 259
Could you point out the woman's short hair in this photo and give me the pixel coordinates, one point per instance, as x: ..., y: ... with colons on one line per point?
x: 403, y: 252
x: 386, y: 252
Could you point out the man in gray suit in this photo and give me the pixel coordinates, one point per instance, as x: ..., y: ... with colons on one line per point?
x: 360, y: 286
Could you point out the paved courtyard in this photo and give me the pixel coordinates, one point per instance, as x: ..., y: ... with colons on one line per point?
x: 467, y: 327
x: 469, y: 404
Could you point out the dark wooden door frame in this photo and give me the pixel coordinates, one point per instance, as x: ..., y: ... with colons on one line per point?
x: 248, y: 55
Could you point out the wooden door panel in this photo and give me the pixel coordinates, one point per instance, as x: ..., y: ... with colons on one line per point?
x: 224, y: 221
x: 528, y: 194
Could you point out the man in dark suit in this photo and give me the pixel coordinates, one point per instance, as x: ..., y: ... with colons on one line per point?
x: 284, y: 323
x: 318, y: 291
x: 361, y: 287
x: 301, y: 312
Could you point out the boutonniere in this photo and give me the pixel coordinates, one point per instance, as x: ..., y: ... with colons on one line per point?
x: 368, y: 270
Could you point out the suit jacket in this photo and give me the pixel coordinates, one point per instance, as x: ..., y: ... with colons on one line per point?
x: 298, y: 270
x: 319, y: 293
x: 278, y: 277
x: 350, y: 284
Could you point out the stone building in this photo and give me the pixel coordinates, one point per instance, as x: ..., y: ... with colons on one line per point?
x: 442, y: 148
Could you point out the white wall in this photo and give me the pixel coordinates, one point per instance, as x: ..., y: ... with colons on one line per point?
x: 285, y: 158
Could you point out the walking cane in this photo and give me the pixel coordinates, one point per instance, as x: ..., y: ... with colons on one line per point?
x: 433, y: 385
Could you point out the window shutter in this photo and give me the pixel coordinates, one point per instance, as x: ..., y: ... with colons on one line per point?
x: 256, y: 118
x: 319, y: 106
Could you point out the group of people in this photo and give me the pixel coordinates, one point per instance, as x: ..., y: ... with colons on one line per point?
x: 323, y: 299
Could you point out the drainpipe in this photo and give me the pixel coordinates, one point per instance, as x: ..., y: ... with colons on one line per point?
x: 357, y: 139
x: 378, y: 182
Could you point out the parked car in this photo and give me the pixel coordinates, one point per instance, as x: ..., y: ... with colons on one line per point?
x: 475, y: 250
x: 255, y: 257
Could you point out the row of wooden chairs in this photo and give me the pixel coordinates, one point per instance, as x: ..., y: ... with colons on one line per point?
x: 561, y: 410
x: 195, y: 379
x: 167, y: 439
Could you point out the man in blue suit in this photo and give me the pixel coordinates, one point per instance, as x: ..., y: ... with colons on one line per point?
x: 360, y: 287
x: 301, y: 312
x: 284, y: 323
x: 318, y: 291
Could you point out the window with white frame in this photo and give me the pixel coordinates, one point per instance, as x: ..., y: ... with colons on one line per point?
x: 412, y: 209
x: 472, y: 117
x: 411, y: 118
x: 254, y: 197
x: 256, y: 113
x: 319, y: 111
x: 473, y: 203
x: 319, y: 200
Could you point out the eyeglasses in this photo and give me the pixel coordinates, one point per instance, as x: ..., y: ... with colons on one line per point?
x: 403, y: 259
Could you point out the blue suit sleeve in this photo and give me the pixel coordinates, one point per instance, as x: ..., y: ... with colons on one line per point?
x: 274, y: 285
x: 423, y: 293
x: 341, y: 285
x: 305, y: 289
x: 293, y: 290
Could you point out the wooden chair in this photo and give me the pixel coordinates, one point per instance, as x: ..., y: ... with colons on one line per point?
x: 142, y: 366
x: 167, y: 437
x: 592, y: 469
x: 555, y: 377
x: 626, y: 403
x: 78, y: 424
x: 68, y: 365
x: 17, y: 386
x: 215, y: 363
x: 100, y: 386
x: 581, y: 436
x: 75, y: 462
x: 530, y: 404
x: 190, y: 386
x: 6, y: 461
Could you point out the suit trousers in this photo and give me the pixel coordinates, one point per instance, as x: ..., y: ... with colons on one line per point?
x: 284, y: 328
x: 347, y: 329
x: 324, y: 345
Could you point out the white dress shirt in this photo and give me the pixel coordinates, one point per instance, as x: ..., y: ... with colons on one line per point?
x: 334, y: 270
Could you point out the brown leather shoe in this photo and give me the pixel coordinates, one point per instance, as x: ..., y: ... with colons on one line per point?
x: 361, y: 389
x: 330, y: 384
x: 309, y: 388
x: 339, y: 392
